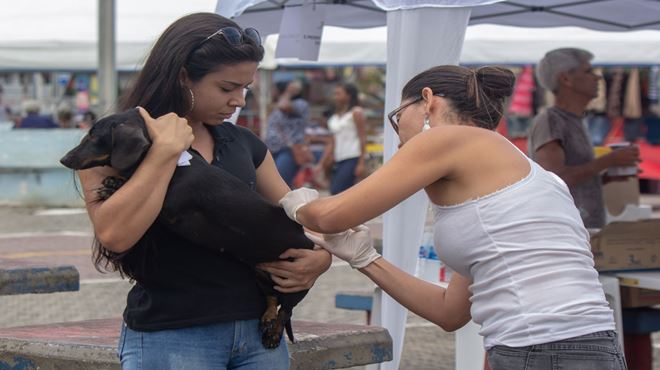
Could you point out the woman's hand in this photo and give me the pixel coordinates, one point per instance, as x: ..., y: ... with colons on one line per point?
x: 359, y: 169
x: 298, y: 269
x: 169, y: 133
x: 354, y: 246
x: 295, y: 199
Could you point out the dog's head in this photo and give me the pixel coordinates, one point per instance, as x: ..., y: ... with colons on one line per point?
x: 120, y: 141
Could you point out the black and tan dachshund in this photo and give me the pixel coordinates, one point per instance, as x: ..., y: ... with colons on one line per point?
x: 204, y: 204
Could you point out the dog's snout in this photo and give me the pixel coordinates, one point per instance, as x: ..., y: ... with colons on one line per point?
x: 69, y: 161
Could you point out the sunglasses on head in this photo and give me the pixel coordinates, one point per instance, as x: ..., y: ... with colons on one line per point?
x: 234, y: 36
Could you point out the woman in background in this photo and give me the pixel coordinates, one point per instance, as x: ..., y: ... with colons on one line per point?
x: 346, y: 152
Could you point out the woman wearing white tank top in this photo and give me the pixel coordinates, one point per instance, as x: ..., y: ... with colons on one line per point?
x: 508, y: 227
x: 345, y: 154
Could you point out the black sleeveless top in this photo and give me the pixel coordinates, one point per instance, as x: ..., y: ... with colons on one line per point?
x: 180, y: 284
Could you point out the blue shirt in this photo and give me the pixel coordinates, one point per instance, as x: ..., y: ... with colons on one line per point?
x: 287, y: 129
x: 37, y: 121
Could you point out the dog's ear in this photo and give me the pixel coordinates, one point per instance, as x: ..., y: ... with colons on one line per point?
x: 129, y: 144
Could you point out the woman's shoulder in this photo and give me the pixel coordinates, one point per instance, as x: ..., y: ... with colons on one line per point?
x: 461, y: 131
x: 458, y: 139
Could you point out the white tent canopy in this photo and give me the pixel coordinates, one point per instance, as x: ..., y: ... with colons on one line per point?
x: 484, y: 44
x: 604, y: 15
x: 62, y: 35
x: 341, y: 46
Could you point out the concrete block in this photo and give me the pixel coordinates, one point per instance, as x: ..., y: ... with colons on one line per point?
x: 91, y: 345
x: 19, y: 279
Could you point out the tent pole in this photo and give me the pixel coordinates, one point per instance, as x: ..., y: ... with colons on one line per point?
x: 107, y: 72
x: 417, y: 39
x: 265, y: 85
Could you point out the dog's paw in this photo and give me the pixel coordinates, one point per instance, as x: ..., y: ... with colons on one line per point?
x: 268, y: 328
x: 110, y: 185
x: 271, y: 339
x: 113, y: 182
x: 272, y: 335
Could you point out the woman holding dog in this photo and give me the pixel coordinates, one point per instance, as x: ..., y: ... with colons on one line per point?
x: 508, y: 228
x: 190, y: 307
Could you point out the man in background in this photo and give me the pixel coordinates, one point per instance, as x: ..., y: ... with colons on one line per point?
x: 559, y: 140
x: 32, y: 117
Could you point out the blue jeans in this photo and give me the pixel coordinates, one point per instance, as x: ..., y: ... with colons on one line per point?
x: 517, y: 126
x: 343, y: 176
x: 286, y: 165
x: 231, y: 345
x: 595, y: 351
x: 599, y: 127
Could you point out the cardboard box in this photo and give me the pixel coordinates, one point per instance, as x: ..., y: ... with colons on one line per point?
x: 638, y: 297
x: 627, y: 246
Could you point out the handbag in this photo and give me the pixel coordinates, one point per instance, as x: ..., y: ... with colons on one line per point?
x: 302, y: 155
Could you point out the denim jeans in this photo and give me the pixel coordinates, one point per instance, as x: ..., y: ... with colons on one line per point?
x: 518, y: 126
x: 343, y: 176
x: 595, y: 351
x: 599, y: 127
x: 231, y: 345
x: 286, y: 165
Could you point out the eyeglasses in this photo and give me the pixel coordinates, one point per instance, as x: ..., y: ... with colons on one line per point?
x: 234, y: 36
x: 393, y: 116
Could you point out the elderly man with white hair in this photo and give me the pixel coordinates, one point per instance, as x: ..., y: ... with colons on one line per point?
x: 559, y: 141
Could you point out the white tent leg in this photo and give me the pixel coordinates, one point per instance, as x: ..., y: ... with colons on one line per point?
x: 417, y: 39
x: 107, y: 71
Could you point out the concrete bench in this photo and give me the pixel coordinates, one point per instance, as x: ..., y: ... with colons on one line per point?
x: 362, y: 300
x: 30, y: 172
x: 17, y: 277
x: 92, y: 345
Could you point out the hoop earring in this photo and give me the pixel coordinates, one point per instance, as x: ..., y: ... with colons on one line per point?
x: 192, y: 100
x: 426, y: 125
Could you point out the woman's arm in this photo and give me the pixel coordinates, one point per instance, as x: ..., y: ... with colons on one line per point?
x: 424, y: 159
x: 361, y: 127
x: 121, y: 220
x: 449, y: 308
x: 299, y: 268
x: 328, y: 157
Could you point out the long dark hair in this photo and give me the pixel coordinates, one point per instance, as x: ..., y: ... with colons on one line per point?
x: 476, y: 95
x: 353, y: 95
x: 158, y: 88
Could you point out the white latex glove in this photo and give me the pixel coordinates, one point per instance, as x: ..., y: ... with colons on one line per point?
x: 354, y: 246
x: 295, y: 199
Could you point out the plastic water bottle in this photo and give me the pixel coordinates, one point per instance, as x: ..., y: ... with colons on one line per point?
x: 433, y: 266
x: 421, y: 260
x: 445, y: 273
x: 426, y: 262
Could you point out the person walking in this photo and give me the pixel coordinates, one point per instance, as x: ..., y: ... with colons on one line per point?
x: 286, y: 129
x: 345, y: 155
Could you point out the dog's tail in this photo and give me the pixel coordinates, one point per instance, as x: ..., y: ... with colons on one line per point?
x: 289, y: 330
